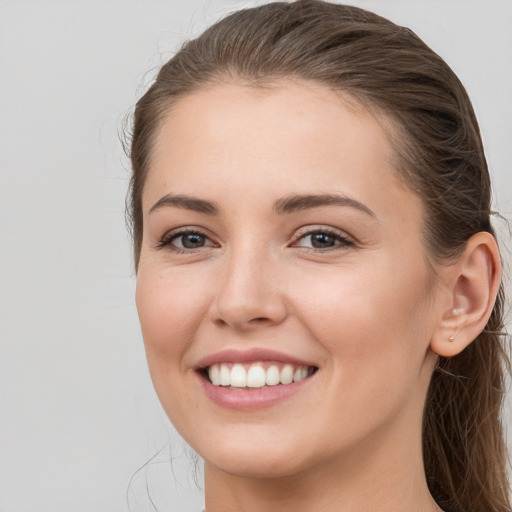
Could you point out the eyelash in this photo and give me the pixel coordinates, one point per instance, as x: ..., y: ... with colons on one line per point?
x: 341, y: 242
x: 166, y: 241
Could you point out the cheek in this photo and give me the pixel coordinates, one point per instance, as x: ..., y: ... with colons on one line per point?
x: 375, y: 335
x: 370, y: 320
x: 170, y: 307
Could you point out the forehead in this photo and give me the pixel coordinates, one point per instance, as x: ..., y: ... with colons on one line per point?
x: 290, y: 135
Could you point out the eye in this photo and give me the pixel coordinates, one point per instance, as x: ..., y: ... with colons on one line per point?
x: 185, y: 240
x: 323, y: 239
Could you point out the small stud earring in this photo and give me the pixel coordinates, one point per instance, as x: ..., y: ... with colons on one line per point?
x: 451, y: 339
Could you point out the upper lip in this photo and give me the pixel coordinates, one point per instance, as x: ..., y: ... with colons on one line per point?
x: 249, y: 356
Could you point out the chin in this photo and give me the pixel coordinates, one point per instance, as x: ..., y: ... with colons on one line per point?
x: 252, y: 456
x: 259, y: 465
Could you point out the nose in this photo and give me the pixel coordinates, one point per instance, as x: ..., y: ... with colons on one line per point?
x: 249, y: 295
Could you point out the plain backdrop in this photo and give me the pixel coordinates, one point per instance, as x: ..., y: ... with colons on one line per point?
x: 78, y: 415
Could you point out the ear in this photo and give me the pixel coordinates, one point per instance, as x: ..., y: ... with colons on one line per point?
x: 472, y: 286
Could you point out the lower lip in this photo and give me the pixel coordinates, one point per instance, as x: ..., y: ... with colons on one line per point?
x: 245, y: 399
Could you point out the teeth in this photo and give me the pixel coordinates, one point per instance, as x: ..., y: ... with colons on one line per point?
x: 286, y: 376
x: 225, y: 375
x: 303, y: 372
x: 214, y: 375
x: 255, y: 375
x: 272, y: 377
x: 238, y: 376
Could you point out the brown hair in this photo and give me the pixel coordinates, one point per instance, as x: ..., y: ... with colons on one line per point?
x: 439, y: 154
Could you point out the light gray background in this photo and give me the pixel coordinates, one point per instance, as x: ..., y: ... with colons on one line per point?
x: 78, y: 415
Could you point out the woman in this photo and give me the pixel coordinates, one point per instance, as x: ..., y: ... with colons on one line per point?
x: 318, y: 278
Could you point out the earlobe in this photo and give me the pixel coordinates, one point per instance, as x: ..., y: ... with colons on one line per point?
x: 473, y: 286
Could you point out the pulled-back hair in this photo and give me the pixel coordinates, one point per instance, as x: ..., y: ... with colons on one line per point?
x: 439, y: 155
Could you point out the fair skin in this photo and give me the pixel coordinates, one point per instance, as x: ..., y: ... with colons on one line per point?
x: 338, y: 283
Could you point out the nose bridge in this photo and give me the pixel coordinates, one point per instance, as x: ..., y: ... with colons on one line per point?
x: 248, y: 292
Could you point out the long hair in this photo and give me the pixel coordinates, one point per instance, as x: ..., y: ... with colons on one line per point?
x: 439, y: 154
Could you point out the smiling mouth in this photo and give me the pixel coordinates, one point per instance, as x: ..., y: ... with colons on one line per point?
x: 256, y: 375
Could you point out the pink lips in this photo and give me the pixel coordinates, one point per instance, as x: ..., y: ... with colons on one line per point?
x: 249, y: 356
x: 243, y: 399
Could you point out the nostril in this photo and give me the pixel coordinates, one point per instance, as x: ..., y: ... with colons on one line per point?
x: 244, y: 325
x: 259, y: 321
x: 244, y: 312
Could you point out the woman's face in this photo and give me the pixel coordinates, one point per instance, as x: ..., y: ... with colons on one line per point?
x: 280, y: 243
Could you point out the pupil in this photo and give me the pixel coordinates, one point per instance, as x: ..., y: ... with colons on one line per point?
x: 321, y: 240
x: 192, y: 240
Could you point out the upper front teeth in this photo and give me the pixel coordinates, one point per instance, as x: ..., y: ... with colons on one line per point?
x: 255, y: 375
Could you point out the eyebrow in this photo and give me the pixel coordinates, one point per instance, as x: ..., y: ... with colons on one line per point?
x: 289, y: 204
x: 295, y: 203
x: 187, y: 202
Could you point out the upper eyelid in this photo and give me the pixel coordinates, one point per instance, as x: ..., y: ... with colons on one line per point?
x: 311, y: 229
x: 167, y: 239
x: 344, y: 242
x: 183, y: 230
